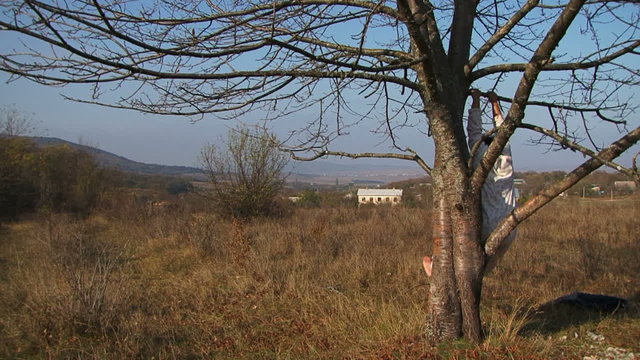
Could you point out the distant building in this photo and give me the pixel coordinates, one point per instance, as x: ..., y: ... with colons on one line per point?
x: 625, y: 185
x: 379, y: 196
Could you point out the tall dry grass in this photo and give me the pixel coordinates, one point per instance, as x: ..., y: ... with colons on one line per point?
x: 321, y: 283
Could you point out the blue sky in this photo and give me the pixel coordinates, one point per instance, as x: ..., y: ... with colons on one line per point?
x: 137, y: 136
x: 175, y: 140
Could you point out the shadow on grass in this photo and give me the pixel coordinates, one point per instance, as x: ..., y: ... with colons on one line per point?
x: 570, y: 311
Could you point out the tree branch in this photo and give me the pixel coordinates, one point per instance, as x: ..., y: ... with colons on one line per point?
x: 553, y: 190
x: 563, y: 140
x: 499, y: 35
x: 597, y: 110
x: 503, y: 68
x: 539, y: 59
x: 318, y: 154
x: 464, y: 14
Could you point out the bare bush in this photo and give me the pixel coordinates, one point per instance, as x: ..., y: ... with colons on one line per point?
x: 202, y: 231
x: 246, y: 174
x: 14, y: 122
x: 87, y: 270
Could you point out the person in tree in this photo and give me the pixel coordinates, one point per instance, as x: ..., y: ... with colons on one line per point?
x: 498, y: 196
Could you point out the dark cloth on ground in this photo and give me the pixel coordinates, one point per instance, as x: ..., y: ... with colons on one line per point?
x: 604, y: 303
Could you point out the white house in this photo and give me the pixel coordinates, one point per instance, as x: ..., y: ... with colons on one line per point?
x: 625, y: 185
x: 379, y: 196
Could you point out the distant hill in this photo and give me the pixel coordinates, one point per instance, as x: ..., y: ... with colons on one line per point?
x: 319, y: 171
x: 351, y: 166
x: 113, y: 161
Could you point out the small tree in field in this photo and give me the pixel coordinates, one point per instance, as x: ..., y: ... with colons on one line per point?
x: 246, y: 173
x: 385, y: 64
x: 309, y: 198
x: 14, y: 122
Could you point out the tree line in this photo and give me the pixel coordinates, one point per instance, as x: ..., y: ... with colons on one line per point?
x: 57, y: 178
x: 246, y: 176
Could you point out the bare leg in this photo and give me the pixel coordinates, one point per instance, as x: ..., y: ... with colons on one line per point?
x: 427, y: 264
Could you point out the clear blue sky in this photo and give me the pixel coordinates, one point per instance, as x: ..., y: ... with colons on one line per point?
x: 177, y: 141
x: 137, y: 136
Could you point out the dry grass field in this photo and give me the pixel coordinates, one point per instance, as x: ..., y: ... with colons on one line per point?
x: 338, y: 283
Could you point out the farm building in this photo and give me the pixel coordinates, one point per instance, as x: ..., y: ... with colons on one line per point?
x: 625, y: 185
x: 379, y: 196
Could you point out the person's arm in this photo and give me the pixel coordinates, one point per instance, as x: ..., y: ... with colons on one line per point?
x: 474, y: 123
x: 502, y: 166
x: 495, y: 106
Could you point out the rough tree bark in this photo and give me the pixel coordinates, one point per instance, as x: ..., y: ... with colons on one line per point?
x: 459, y: 253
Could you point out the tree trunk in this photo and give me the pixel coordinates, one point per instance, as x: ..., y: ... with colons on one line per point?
x: 458, y: 263
x: 469, y: 261
x: 458, y: 254
x: 444, y: 315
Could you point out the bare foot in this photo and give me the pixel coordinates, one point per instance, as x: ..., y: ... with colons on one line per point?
x: 427, y: 264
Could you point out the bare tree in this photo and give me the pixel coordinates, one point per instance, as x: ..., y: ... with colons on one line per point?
x: 385, y: 64
x: 14, y: 122
x: 246, y: 173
